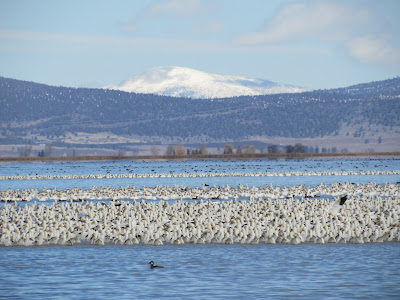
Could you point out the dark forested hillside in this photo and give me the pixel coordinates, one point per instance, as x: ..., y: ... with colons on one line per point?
x: 31, y: 109
x: 388, y: 87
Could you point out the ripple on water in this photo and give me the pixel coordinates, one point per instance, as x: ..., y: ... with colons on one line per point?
x: 201, y: 271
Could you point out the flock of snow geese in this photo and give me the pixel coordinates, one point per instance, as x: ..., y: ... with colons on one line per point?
x: 201, y: 175
x: 206, y: 192
x: 335, y: 213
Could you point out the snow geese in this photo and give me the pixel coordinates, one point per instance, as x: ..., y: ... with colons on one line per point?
x: 250, y: 221
x: 166, y: 193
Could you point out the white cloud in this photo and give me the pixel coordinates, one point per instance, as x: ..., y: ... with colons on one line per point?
x: 187, y: 16
x: 371, y: 49
x: 182, y: 8
x: 317, y: 20
x: 60, y: 42
x: 355, y: 26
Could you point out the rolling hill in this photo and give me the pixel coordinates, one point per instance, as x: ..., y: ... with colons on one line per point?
x: 39, y: 114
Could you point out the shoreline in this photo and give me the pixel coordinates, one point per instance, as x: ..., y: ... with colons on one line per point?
x: 199, y: 157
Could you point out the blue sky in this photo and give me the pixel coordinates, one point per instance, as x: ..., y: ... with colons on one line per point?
x: 313, y: 44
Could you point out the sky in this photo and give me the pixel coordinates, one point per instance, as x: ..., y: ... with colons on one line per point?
x: 311, y: 44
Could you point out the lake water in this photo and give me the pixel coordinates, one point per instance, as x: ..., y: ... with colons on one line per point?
x: 208, y: 271
x: 201, y: 271
x: 197, y: 166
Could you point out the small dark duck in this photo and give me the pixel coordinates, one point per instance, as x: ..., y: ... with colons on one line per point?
x: 152, y: 266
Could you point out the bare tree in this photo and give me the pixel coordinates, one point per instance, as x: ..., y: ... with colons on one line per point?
x: 289, y: 149
x: 195, y: 152
x: 26, y: 150
x: 170, y: 150
x: 228, y: 149
x: 203, y: 149
x: 239, y: 150
x: 299, y: 148
x: 273, y: 149
x: 180, y: 150
x: 249, y: 149
x: 48, y: 150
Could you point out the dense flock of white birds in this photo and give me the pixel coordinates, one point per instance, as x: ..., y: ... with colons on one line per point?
x: 211, y: 174
x: 206, y: 192
x: 156, y: 223
x: 268, y: 214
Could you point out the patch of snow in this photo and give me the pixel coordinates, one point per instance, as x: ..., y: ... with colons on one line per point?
x: 190, y: 83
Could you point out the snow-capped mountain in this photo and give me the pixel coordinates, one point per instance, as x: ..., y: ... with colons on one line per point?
x: 190, y: 83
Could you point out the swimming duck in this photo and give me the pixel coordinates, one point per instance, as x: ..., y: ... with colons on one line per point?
x: 152, y: 266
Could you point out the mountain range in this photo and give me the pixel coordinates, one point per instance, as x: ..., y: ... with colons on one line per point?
x: 190, y: 83
x: 363, y: 117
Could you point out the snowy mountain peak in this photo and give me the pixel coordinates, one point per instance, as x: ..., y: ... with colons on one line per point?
x: 190, y: 83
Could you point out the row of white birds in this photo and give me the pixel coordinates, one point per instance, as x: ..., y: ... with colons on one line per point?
x: 211, y: 174
x: 357, y: 220
x: 206, y: 192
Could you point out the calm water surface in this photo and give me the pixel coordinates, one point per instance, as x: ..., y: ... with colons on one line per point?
x: 201, y: 271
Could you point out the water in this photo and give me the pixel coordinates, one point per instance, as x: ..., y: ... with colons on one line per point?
x: 196, y: 166
x: 192, y: 166
x: 209, y: 271
x: 201, y: 271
